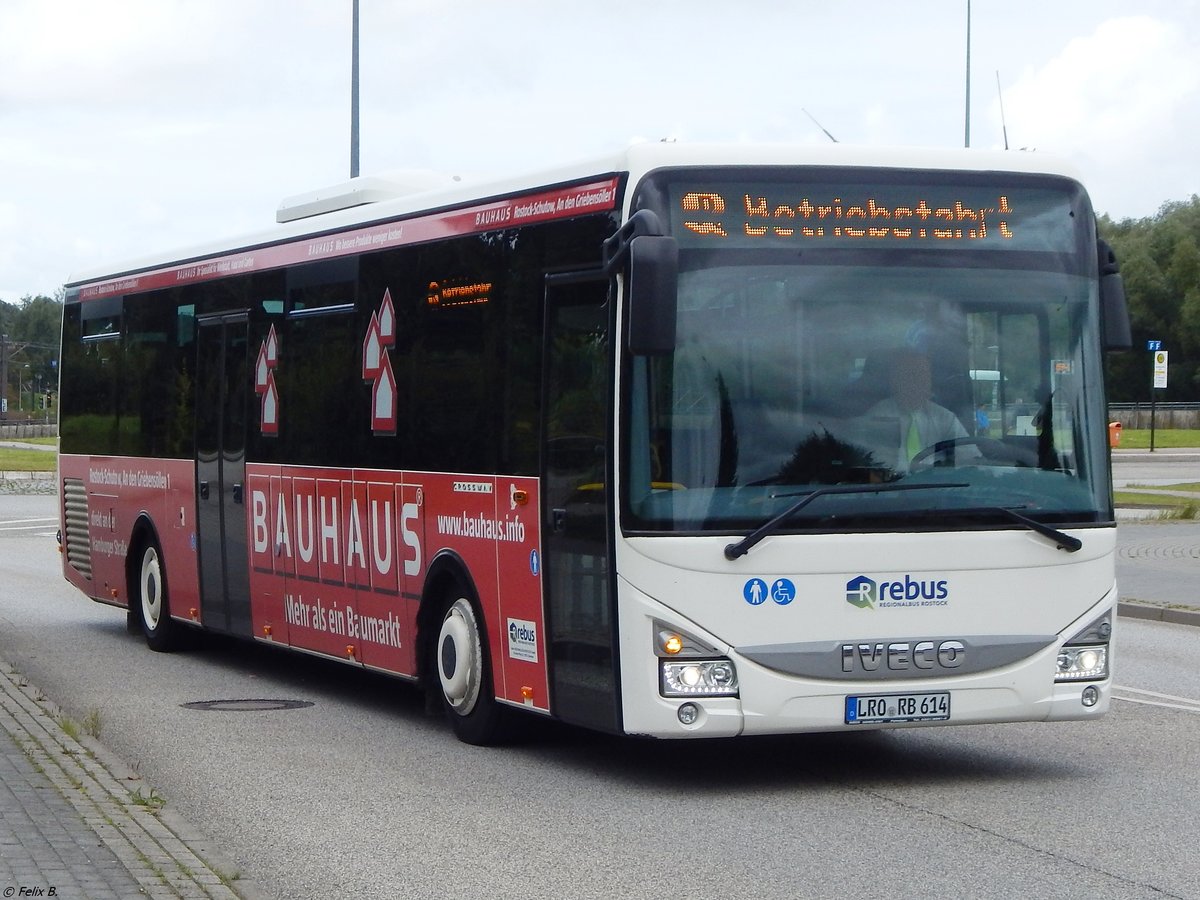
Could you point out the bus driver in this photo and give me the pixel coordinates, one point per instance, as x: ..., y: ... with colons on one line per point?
x: 913, y: 420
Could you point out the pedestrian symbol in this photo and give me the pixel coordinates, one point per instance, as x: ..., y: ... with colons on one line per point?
x: 755, y: 591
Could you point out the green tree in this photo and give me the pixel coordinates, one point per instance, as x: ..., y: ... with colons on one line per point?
x: 33, y: 327
x: 1160, y: 264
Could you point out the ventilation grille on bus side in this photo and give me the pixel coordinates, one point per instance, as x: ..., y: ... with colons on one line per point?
x: 75, y: 533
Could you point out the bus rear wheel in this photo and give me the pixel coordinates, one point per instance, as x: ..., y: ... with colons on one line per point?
x: 162, y: 634
x: 464, y: 676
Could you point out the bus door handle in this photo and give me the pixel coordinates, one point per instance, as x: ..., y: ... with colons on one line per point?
x: 558, y: 520
x: 204, y: 490
x: 237, y: 493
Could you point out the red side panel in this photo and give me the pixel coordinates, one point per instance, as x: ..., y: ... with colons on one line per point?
x: 338, y: 561
x: 119, y: 491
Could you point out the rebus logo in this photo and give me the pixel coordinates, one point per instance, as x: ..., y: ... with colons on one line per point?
x: 521, y: 631
x: 865, y: 593
x: 861, y: 592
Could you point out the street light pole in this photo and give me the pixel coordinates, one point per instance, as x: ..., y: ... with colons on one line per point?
x: 3, y: 376
x: 354, y: 92
x: 967, y: 125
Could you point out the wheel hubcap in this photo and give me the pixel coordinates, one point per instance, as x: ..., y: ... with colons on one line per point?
x: 151, y: 594
x: 459, y: 662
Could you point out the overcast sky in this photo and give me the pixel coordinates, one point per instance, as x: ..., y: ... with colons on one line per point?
x: 130, y: 127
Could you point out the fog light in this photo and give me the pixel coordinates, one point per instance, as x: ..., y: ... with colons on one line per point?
x: 1090, y: 696
x: 688, y: 714
x: 1082, y: 663
x: 698, y: 678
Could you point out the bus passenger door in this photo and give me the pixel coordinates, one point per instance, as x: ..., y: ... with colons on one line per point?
x: 223, y: 384
x: 577, y: 521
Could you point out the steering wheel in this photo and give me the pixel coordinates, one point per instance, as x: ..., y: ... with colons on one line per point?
x: 991, y: 450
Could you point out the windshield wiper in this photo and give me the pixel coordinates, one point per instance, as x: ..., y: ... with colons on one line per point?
x: 1064, y: 541
x: 742, y: 547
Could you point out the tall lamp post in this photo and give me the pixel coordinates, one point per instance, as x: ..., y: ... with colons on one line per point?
x: 3, y: 376
x: 967, y: 117
x: 354, y: 92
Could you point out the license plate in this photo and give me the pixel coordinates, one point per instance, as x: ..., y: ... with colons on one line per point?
x: 875, y: 709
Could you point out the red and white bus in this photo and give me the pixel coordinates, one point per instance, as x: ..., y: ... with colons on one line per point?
x: 618, y: 444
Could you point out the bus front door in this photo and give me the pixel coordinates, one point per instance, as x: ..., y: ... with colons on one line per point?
x: 581, y: 622
x: 223, y: 385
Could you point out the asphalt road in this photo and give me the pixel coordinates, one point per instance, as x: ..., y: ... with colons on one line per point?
x: 1158, y: 562
x: 363, y: 795
x: 1158, y: 468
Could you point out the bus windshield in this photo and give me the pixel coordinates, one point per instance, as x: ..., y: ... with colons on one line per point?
x: 798, y: 368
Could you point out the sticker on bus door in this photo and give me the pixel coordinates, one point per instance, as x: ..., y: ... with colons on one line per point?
x: 518, y: 558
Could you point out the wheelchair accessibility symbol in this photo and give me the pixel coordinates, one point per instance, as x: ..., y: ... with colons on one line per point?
x: 783, y: 591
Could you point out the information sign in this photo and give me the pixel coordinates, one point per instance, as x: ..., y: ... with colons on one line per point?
x: 1160, y: 369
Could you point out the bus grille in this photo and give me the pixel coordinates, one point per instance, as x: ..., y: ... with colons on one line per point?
x: 75, y: 531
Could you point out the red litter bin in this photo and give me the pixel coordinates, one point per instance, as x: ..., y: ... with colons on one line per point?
x: 1114, y: 434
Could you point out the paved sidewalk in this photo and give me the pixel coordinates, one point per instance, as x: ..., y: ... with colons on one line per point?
x: 75, y: 822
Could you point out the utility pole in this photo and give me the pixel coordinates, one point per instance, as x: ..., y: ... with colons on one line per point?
x: 8, y: 350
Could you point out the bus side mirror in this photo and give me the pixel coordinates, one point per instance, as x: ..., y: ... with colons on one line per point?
x: 1114, y: 311
x: 653, y: 282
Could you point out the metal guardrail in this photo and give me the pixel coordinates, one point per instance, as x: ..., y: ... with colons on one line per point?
x: 1164, y: 415
x: 1143, y: 404
x: 15, y: 431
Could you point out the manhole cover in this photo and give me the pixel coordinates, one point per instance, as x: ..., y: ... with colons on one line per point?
x: 246, y: 705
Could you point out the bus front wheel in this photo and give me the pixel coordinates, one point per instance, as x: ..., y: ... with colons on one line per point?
x: 151, y: 597
x: 463, y: 672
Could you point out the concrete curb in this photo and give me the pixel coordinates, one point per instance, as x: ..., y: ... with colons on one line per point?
x: 1174, y: 615
x: 159, y: 849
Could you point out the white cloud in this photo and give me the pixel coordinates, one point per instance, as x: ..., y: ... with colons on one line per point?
x: 1123, y: 101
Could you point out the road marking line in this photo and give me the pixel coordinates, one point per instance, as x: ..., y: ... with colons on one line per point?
x: 1191, y: 709
x: 1185, y: 703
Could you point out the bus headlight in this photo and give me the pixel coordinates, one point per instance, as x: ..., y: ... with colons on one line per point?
x: 1085, y: 656
x: 698, y: 678
x: 1082, y: 663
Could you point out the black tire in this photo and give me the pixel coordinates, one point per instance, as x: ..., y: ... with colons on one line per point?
x: 149, y: 592
x: 460, y: 656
